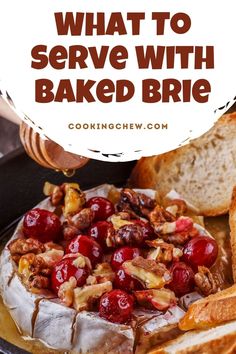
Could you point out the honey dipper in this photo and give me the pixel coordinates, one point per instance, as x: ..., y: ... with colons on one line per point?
x: 46, y: 153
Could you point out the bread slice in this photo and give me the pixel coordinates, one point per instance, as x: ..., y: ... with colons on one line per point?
x: 211, y: 311
x: 203, y: 172
x: 232, y: 223
x: 217, y: 340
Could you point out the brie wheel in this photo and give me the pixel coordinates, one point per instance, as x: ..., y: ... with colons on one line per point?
x: 63, y: 328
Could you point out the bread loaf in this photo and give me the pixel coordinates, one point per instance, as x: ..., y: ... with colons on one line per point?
x: 203, y: 172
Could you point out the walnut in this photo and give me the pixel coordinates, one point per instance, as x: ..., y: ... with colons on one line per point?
x: 81, y: 261
x: 57, y: 196
x: 151, y: 274
x: 135, y: 203
x: 205, y: 281
x: 82, y: 220
x: 39, y: 282
x: 159, y: 216
x: 74, y: 199
x: 51, y: 257
x: 66, y: 291
x: 163, y: 252
x: 120, y: 219
x: 183, y: 223
x: 31, y: 265
x: 85, y: 297
x: 177, y: 207
x: 131, y: 234
x: 69, y: 231
x: 55, y: 193
x: 53, y: 246
x: 160, y: 299
x: 23, y: 246
x: 103, y: 273
x: 180, y: 238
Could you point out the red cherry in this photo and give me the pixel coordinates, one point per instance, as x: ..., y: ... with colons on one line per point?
x: 99, y: 231
x: 200, y: 251
x: 182, y: 279
x: 102, y: 207
x: 42, y: 225
x: 86, y: 246
x: 65, y: 269
x: 116, y: 306
x: 148, y: 231
x: 123, y: 254
x: 126, y: 282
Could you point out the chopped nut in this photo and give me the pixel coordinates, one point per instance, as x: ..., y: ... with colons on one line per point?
x: 151, y: 274
x: 180, y: 238
x: 53, y: 246
x: 103, y: 273
x: 82, y: 220
x: 163, y: 252
x: 81, y: 261
x: 161, y: 299
x: 23, y: 246
x: 30, y: 266
x: 159, y: 216
x: 178, y: 207
x: 177, y: 254
x: 55, y: 192
x: 206, y: 282
x: 113, y: 195
x: 57, y: 196
x: 66, y: 186
x: 91, y: 280
x: 48, y: 188
x: 51, y: 257
x: 39, y: 282
x: 69, y: 231
x: 131, y: 234
x: 74, y: 200
x: 183, y: 223
x: 85, y: 297
x: 135, y: 203
x: 66, y: 291
x: 120, y: 219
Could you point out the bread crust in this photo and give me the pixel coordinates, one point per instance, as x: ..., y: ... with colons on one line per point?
x: 211, y: 311
x: 223, y: 345
x: 147, y: 172
x: 232, y: 224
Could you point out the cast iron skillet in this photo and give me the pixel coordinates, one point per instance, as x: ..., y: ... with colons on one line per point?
x: 21, y: 183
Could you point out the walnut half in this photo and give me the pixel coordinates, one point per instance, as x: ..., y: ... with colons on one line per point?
x: 206, y: 282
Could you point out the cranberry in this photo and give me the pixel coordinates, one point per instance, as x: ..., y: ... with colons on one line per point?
x: 102, y: 208
x: 86, y: 246
x: 116, y: 306
x: 126, y: 282
x: 65, y: 269
x: 148, y: 231
x: 182, y: 279
x: 123, y: 254
x: 200, y: 251
x: 99, y: 231
x: 42, y: 225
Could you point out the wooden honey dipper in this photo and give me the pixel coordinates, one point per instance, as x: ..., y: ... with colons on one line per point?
x: 46, y: 153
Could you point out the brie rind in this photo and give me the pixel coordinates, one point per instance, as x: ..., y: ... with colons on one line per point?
x: 61, y: 327
x: 94, y: 335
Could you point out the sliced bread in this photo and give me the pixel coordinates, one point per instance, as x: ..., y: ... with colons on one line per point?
x: 203, y: 172
x: 211, y: 311
x: 217, y: 340
x: 232, y: 223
